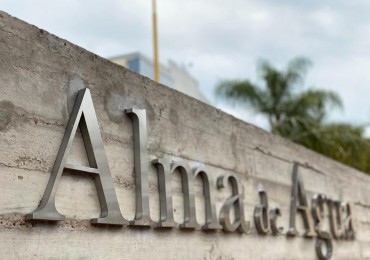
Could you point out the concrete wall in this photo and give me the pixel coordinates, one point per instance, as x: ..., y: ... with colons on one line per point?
x: 40, y: 76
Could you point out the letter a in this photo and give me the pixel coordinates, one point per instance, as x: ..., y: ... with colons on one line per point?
x: 298, y: 202
x: 236, y: 201
x: 83, y: 116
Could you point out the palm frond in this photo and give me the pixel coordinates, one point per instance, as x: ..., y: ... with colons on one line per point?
x: 296, y: 71
x: 313, y: 103
x: 239, y: 91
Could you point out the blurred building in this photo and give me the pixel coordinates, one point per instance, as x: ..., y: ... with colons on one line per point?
x: 171, y: 75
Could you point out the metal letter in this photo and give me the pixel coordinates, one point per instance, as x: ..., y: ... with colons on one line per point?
x: 261, y: 213
x: 142, y: 213
x: 348, y: 223
x: 83, y: 115
x: 210, y: 206
x: 299, y: 196
x: 187, y: 180
x: 318, y: 213
x: 320, y: 250
x: 274, y: 213
x: 336, y: 209
x: 165, y: 171
x: 165, y: 193
x: 234, y: 200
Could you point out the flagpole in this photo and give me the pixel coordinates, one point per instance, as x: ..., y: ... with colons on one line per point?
x: 155, y: 41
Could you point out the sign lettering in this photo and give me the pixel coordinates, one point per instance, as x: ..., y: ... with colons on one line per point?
x: 231, y: 217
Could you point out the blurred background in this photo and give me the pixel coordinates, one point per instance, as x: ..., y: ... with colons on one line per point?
x: 297, y: 68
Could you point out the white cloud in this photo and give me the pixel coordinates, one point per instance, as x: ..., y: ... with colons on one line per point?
x: 327, y: 19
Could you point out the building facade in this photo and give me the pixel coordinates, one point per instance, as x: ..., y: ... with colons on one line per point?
x: 171, y: 75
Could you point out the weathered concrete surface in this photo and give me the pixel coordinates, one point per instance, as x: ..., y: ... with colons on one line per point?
x: 40, y: 76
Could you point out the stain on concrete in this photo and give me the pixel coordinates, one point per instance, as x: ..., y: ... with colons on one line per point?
x: 149, y: 111
x: 75, y: 84
x: 233, y: 143
x: 6, y: 112
x: 115, y: 106
x: 49, y: 94
x: 173, y: 116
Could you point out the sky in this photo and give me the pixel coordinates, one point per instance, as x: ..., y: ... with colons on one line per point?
x: 219, y: 39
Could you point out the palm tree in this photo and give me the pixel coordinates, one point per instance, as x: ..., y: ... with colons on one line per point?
x: 279, y: 98
x: 299, y: 115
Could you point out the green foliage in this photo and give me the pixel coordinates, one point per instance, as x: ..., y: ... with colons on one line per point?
x: 300, y: 115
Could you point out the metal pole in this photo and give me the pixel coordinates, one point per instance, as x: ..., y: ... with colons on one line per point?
x: 155, y: 41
